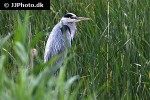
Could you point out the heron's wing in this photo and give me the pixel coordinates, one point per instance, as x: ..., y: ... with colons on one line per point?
x: 56, y: 43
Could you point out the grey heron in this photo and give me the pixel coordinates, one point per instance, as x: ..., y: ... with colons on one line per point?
x: 62, y: 35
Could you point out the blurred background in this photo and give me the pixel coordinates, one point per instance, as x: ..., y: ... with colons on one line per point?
x: 109, y: 58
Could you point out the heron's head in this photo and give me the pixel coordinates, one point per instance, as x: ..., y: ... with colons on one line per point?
x: 72, y: 18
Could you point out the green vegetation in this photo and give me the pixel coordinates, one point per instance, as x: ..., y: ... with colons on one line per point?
x: 109, y: 59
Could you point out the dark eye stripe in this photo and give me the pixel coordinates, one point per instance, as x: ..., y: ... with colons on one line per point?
x: 73, y: 17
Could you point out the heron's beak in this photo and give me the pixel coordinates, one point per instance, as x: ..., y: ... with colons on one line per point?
x: 83, y: 18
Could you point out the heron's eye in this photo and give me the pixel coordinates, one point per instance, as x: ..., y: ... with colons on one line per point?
x: 73, y: 17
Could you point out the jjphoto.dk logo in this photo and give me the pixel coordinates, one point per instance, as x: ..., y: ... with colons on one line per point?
x: 13, y: 5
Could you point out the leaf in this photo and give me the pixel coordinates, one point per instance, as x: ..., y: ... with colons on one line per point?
x: 4, y: 40
x: 21, y: 52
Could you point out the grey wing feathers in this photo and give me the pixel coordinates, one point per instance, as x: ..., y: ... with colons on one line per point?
x: 55, y: 44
